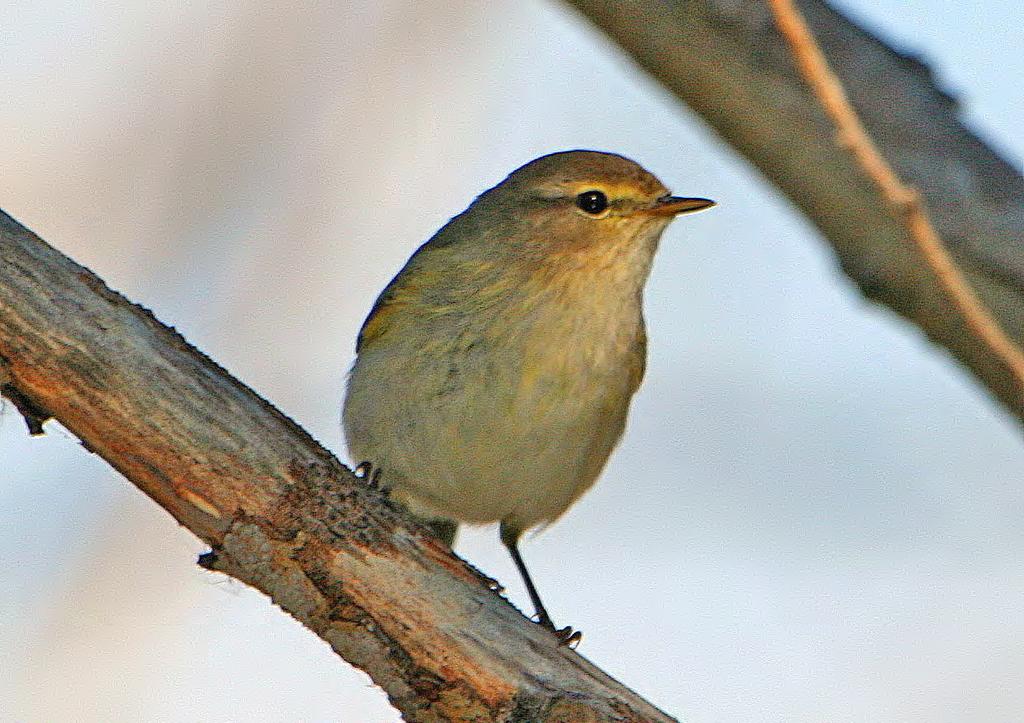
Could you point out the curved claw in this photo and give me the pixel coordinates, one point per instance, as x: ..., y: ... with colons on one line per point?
x: 568, y: 637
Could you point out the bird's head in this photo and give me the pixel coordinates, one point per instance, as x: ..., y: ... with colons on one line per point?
x: 583, y: 200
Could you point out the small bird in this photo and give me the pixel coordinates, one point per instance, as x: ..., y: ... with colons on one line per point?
x: 494, y: 373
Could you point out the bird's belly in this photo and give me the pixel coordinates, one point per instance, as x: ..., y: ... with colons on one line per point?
x: 518, y: 442
x: 527, y: 460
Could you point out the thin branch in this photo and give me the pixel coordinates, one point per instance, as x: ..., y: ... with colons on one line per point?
x: 905, y: 200
x: 279, y: 511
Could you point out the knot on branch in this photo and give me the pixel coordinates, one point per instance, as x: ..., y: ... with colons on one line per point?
x: 33, y: 414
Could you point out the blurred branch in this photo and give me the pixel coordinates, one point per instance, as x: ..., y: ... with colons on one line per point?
x: 905, y: 202
x: 728, y: 62
x: 279, y: 511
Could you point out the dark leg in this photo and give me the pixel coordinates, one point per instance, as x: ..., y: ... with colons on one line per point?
x: 510, y: 538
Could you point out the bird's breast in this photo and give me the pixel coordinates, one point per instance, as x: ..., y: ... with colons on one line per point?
x: 574, y: 341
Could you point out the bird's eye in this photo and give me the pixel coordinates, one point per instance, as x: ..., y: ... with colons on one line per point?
x: 593, y: 202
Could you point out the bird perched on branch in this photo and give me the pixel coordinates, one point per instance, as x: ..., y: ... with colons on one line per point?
x: 494, y: 373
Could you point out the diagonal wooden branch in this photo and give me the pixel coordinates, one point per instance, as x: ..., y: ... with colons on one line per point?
x: 905, y: 202
x: 728, y: 62
x: 279, y: 511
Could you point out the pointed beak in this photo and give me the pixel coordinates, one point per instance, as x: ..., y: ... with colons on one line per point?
x: 675, y: 205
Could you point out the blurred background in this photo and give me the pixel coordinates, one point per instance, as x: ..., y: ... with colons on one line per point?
x: 814, y: 515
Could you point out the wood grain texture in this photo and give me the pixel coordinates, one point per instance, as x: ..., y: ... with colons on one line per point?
x: 726, y: 60
x: 279, y: 511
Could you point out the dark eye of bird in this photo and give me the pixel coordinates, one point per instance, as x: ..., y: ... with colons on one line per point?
x: 592, y: 202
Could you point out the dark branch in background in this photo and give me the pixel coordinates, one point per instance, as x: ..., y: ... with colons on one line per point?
x: 727, y: 61
x: 280, y: 512
x: 903, y: 201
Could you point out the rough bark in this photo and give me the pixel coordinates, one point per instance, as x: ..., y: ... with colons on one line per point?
x: 278, y: 510
x: 726, y: 60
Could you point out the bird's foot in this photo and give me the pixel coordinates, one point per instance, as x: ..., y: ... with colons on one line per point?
x: 566, y: 636
x: 366, y: 471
